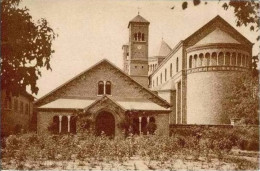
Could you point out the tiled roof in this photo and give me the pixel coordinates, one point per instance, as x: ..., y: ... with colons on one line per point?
x: 85, y: 103
x: 138, y: 19
x: 164, y: 49
x: 68, y: 104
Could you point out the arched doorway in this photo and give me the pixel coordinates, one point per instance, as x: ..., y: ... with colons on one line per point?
x: 105, y: 122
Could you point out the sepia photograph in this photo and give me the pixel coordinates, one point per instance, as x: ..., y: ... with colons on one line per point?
x: 117, y: 85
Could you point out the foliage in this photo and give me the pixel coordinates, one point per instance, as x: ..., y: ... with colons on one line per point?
x: 26, y: 47
x: 187, y: 143
x: 242, y: 101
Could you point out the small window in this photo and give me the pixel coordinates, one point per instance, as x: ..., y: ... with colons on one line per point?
x: 142, y: 66
x: 171, y: 70
x: 165, y: 75
x: 177, y: 64
x: 108, y: 87
x: 100, y: 88
x: 135, y: 66
x: 139, y: 36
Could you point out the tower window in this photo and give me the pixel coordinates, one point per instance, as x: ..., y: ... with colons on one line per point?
x: 135, y: 36
x: 100, y: 88
x: 142, y: 36
x: 139, y: 36
x: 108, y: 87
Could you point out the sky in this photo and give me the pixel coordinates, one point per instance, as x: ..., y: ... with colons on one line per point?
x: 91, y: 30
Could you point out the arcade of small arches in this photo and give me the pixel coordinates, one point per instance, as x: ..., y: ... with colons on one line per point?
x: 142, y: 125
x: 64, y: 124
x: 152, y: 67
x: 219, y: 59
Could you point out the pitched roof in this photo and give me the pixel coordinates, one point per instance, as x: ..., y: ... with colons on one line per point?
x: 165, y: 49
x: 87, y: 104
x: 138, y: 19
x: 217, y: 22
x: 109, y: 63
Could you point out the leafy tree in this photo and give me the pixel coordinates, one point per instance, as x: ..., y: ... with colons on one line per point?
x: 26, y: 47
x: 242, y: 101
x: 247, y: 13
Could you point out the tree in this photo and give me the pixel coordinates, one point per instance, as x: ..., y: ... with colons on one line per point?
x: 242, y: 102
x: 247, y: 13
x: 26, y: 47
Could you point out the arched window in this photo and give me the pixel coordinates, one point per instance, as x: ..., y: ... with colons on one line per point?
x: 135, y: 126
x: 165, y: 76
x: 200, y: 61
x: 227, y: 58
x: 55, y: 128
x: 171, y: 70
x: 177, y: 64
x: 243, y: 61
x: 234, y: 59
x: 108, y: 87
x: 144, y: 125
x: 142, y: 36
x: 139, y: 36
x: 214, y: 59
x: 190, y: 62
x: 135, y: 36
x: 64, y: 124
x: 195, y: 61
x: 73, y: 121
x: 239, y: 59
x: 221, y: 58
x: 207, y: 58
x: 100, y: 88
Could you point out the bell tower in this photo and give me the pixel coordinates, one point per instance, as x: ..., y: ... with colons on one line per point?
x: 137, y: 59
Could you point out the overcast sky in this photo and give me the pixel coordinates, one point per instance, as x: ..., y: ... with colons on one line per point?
x: 90, y: 30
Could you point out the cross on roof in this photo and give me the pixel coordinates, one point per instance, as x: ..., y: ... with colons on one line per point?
x: 138, y: 10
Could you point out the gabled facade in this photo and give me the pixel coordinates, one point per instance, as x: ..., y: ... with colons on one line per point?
x: 101, y: 89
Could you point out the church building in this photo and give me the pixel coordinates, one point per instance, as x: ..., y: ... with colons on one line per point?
x: 180, y: 85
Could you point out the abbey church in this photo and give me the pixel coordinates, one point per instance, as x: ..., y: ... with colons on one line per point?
x: 184, y: 84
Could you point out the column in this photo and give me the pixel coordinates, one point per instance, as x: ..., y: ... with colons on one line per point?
x: 69, y: 123
x: 60, y: 118
x: 140, y: 126
x: 217, y: 59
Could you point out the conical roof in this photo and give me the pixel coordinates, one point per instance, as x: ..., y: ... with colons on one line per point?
x: 164, y: 49
x: 138, y: 19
